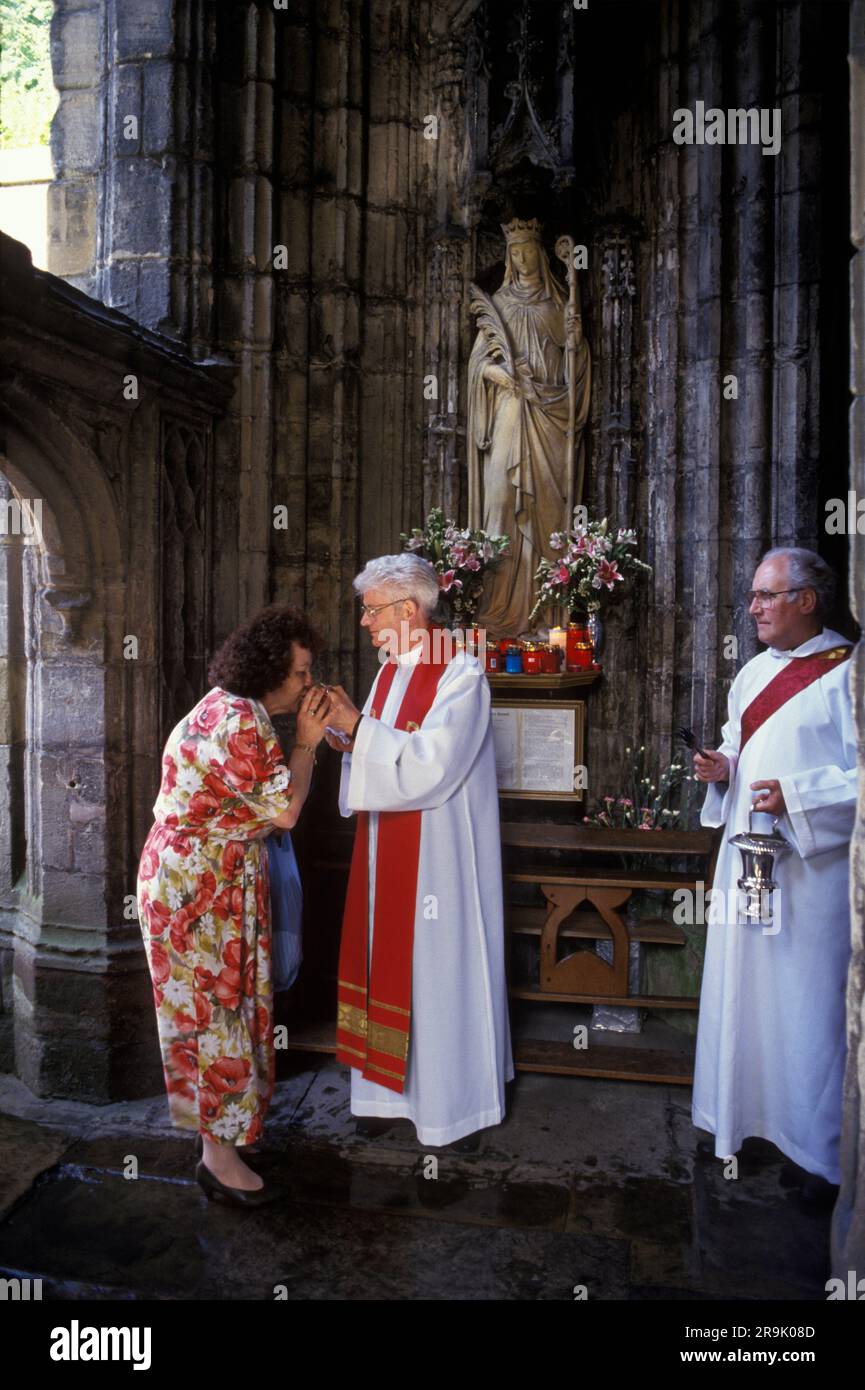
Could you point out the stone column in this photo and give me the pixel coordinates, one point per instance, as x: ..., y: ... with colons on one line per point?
x: 245, y: 299
x: 77, y: 140
x: 704, y: 524
x: 13, y: 747
x: 130, y: 211
x: 796, y: 327
x: 662, y: 347
x: 848, y: 1222
x: 746, y: 420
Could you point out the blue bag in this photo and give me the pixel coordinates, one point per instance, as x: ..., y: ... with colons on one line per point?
x: 286, y: 910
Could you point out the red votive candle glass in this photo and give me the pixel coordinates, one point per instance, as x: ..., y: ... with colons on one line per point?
x: 531, y: 659
x: 494, y: 660
x: 578, y: 648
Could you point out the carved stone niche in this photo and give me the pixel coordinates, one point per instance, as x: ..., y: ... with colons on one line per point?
x: 518, y: 93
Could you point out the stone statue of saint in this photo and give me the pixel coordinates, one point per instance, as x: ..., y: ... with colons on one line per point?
x: 519, y: 454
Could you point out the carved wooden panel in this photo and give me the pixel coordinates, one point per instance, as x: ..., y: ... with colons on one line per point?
x: 583, y: 972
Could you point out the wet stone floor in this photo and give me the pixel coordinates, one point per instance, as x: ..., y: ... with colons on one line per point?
x: 588, y: 1184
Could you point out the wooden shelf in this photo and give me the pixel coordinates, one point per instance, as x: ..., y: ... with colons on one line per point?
x: 651, y: 931
x: 563, y: 680
x: 535, y: 835
x: 605, y: 1062
x: 616, y: 1063
x: 617, y: 1001
x: 599, y: 878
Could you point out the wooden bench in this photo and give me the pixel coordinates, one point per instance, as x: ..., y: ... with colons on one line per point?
x: 578, y: 881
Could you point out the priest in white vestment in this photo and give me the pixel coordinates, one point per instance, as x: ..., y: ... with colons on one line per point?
x: 771, y: 1037
x: 439, y: 1053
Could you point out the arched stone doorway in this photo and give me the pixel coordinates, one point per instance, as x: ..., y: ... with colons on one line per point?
x: 74, y: 992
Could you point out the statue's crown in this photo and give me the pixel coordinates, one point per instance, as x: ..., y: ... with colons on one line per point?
x: 518, y: 230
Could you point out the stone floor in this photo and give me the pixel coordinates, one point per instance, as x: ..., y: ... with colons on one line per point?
x: 587, y: 1183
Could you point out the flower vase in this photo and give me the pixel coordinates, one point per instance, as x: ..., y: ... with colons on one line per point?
x: 596, y: 635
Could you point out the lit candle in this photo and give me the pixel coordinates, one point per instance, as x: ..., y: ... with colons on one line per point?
x: 558, y: 637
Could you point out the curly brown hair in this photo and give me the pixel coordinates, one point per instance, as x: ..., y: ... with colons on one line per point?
x: 257, y: 656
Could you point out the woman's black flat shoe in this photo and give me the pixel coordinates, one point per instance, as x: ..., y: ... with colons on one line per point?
x: 236, y: 1196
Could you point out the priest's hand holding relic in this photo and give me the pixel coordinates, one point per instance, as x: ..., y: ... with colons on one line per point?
x: 771, y: 800
x: 343, y: 719
x: 711, y: 767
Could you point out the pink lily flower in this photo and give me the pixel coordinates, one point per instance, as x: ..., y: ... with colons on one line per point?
x: 448, y: 580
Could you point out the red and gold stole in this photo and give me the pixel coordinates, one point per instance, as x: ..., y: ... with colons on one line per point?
x: 374, y: 1010
x: 797, y: 675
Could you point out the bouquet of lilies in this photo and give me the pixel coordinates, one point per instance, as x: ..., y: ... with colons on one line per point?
x: 592, y: 563
x: 461, y: 557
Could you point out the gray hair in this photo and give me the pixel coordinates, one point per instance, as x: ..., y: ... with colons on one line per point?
x: 808, y: 570
x: 406, y: 574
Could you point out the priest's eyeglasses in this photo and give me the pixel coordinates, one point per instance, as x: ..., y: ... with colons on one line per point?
x: 767, y: 597
x: 371, y: 612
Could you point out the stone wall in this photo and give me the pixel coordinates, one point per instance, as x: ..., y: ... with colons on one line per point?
x: 91, y: 406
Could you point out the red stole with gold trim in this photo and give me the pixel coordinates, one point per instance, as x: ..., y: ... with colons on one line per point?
x: 798, y: 674
x: 374, y: 1013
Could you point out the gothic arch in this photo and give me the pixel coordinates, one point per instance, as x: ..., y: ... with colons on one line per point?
x: 81, y: 551
x: 56, y: 910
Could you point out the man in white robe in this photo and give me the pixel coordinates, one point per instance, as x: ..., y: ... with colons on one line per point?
x: 771, y: 1036
x: 459, y: 1051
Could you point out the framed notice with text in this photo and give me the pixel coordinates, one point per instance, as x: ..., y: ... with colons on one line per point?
x: 539, y: 747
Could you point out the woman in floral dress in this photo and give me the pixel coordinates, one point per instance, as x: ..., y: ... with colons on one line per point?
x: 203, y: 894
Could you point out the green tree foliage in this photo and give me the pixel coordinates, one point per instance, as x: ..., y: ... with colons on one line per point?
x: 27, y: 93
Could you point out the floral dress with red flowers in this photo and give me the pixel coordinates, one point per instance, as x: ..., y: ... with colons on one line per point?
x: 204, y: 908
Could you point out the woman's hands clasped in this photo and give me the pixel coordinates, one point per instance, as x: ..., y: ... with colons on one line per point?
x: 312, y: 716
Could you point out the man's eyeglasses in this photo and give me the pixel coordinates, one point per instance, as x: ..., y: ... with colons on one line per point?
x: 371, y: 612
x: 767, y: 597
